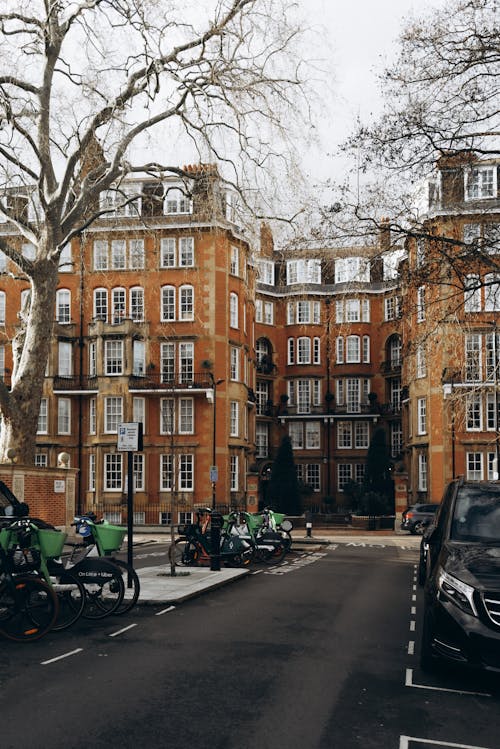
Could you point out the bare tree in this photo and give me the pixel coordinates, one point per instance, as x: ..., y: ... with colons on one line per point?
x: 85, y: 85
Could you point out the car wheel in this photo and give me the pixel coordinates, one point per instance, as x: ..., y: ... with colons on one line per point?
x: 419, y: 528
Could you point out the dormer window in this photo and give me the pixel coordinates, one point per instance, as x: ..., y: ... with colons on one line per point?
x: 176, y: 201
x: 119, y: 202
x: 480, y: 183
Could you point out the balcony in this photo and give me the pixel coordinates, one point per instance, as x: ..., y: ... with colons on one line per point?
x: 391, y: 367
x: 179, y: 382
x: 119, y: 326
x: 75, y: 384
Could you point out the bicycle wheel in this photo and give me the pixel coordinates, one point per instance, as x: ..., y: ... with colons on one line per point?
x: 273, y: 557
x: 71, y: 598
x: 28, y: 608
x: 130, y: 594
x: 104, y: 589
x: 183, y: 552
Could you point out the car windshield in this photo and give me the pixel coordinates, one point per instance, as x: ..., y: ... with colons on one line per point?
x: 476, y: 517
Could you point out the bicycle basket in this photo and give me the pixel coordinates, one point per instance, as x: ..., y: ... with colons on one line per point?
x: 254, y: 521
x: 110, y: 537
x: 51, y: 542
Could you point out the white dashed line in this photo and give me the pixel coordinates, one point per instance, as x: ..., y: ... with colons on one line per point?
x: 60, y: 657
x: 411, y: 647
x: 412, y: 625
x: 409, y: 683
x: 121, y: 631
x: 404, y: 743
x: 165, y: 611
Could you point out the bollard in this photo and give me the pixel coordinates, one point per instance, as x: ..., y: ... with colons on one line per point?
x: 216, y: 521
x: 309, y: 529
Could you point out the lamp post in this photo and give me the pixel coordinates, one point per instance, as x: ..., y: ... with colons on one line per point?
x: 495, y: 472
x: 216, y: 520
x: 213, y: 470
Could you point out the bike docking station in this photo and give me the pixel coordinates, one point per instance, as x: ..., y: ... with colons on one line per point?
x: 216, y: 521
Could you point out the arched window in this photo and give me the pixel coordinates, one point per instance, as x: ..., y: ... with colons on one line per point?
x: 186, y: 303
x: 168, y: 303
x: 394, y: 350
x: 136, y: 303
x: 63, y: 306
x: 119, y: 297
x: 303, y: 350
x: 352, y: 349
x: 101, y: 304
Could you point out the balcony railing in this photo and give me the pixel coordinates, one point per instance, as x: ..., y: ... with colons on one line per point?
x: 75, y: 383
x: 391, y: 366
x: 179, y: 381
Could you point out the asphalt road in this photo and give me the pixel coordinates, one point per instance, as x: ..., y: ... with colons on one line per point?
x: 315, y: 654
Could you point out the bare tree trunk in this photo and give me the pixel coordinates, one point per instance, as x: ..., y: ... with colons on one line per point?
x: 20, y: 407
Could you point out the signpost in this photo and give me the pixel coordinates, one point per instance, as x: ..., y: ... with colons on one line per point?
x: 130, y: 441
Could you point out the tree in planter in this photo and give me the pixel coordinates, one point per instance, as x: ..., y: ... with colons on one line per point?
x: 284, y: 490
x: 82, y: 84
x: 378, y: 495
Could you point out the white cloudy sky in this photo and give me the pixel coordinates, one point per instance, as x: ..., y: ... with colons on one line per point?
x: 360, y: 35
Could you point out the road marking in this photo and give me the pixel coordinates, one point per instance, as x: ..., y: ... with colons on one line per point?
x: 409, y: 683
x: 165, y: 611
x: 121, y: 631
x: 60, y: 657
x: 257, y: 572
x: 413, y: 610
x: 412, y: 625
x: 404, y: 743
x: 414, y: 598
x: 411, y: 647
x: 414, y: 587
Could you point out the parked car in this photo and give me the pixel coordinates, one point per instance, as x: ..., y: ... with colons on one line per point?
x: 417, y: 517
x: 461, y: 622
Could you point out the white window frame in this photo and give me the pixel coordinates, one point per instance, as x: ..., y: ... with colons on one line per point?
x: 113, y: 413
x: 63, y: 306
x: 64, y: 416
x: 233, y: 310
x: 113, y: 357
x: 113, y: 472
x: 421, y: 416
x: 480, y: 182
x: 234, y: 412
x: 43, y: 417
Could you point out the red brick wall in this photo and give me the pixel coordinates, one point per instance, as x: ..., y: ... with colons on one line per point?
x: 49, y: 492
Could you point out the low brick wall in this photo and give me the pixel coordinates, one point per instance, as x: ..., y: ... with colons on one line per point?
x: 49, y: 492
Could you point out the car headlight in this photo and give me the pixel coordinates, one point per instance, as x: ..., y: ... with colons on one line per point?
x: 456, y: 591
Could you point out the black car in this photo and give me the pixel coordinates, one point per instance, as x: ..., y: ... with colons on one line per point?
x: 10, y: 506
x: 461, y: 553
x: 417, y: 517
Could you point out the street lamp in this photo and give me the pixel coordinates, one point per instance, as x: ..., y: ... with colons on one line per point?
x: 216, y: 521
x: 213, y: 469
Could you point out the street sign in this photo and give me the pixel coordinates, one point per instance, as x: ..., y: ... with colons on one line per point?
x: 214, y: 474
x: 128, y: 436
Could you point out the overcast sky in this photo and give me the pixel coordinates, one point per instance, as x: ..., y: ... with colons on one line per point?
x: 360, y: 35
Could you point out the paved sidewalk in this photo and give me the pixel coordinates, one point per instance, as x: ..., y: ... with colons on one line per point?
x: 159, y: 587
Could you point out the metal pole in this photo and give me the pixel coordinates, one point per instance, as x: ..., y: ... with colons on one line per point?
x: 130, y: 507
x: 214, y: 437
x: 495, y: 400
